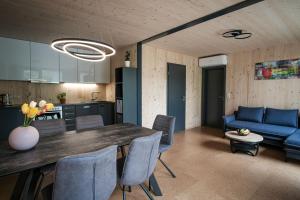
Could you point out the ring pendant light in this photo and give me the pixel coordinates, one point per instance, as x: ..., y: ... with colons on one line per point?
x: 102, y: 50
x: 101, y: 56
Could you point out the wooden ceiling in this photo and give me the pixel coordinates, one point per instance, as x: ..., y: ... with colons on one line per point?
x: 117, y: 22
x: 271, y: 22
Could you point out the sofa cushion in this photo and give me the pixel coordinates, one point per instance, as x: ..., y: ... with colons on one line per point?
x: 294, y: 139
x: 281, y: 117
x: 252, y: 114
x: 264, y: 129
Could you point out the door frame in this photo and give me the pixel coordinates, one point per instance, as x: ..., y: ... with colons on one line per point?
x: 168, y: 84
x: 204, y: 92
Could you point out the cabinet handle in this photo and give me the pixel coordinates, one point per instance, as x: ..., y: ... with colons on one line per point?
x: 86, y: 107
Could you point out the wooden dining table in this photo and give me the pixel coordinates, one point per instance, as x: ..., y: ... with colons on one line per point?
x: 50, y: 149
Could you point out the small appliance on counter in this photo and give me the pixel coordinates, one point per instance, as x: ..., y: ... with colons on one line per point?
x: 5, y: 100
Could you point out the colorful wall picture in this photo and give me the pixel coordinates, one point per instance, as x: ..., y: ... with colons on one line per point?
x: 282, y: 69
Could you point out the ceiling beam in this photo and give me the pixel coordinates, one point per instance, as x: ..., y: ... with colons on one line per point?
x: 200, y: 20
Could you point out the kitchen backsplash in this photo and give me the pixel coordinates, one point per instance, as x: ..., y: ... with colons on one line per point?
x: 20, y: 91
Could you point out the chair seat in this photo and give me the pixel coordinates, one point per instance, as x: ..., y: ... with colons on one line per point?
x: 293, y: 140
x: 265, y: 129
x: 164, y: 147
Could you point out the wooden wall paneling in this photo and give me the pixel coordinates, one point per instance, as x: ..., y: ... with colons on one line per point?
x: 244, y: 90
x: 154, y: 85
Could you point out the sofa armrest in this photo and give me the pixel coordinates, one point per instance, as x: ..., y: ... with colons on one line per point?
x: 228, y: 118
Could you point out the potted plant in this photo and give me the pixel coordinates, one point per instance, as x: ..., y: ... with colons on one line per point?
x: 26, y: 137
x: 62, y: 97
x: 127, y: 59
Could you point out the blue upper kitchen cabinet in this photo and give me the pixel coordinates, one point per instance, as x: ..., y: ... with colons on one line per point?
x: 14, y: 59
x: 44, y: 63
x: 86, y: 69
x: 68, y: 69
x: 102, y: 71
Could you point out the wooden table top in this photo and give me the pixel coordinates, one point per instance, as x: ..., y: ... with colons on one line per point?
x: 52, y: 148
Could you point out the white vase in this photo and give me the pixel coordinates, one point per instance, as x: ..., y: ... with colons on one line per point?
x: 23, y: 138
x: 127, y: 63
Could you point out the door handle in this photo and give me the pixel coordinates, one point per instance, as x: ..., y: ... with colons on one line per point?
x: 183, y: 98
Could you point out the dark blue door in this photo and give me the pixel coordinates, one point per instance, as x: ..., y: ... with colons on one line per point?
x: 176, y: 94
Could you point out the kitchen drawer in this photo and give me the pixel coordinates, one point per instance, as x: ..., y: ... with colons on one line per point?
x: 86, y: 109
x: 67, y: 115
x: 70, y: 121
x: 68, y: 108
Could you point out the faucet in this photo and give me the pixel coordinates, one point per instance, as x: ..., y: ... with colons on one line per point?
x: 94, y: 97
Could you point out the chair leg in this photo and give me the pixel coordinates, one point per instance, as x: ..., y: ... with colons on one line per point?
x: 38, y: 190
x: 146, y: 191
x: 165, y: 165
x: 124, y: 192
x: 122, y: 148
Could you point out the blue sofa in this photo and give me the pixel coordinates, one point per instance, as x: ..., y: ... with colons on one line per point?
x: 278, y: 127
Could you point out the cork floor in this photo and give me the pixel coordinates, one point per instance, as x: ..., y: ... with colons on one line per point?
x: 206, y: 169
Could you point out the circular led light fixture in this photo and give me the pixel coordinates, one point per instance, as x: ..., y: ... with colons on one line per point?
x: 101, y: 50
x: 236, y: 34
x: 97, y: 58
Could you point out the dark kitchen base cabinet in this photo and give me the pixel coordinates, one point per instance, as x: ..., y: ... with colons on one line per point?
x: 107, y: 110
x: 70, y: 112
x: 10, y: 118
x: 69, y: 116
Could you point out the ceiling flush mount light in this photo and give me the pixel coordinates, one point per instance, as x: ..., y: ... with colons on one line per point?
x: 237, y: 34
x: 87, y: 50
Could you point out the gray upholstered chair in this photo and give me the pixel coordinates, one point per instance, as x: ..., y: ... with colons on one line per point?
x: 140, y: 162
x: 166, y: 124
x: 47, y: 128
x: 89, y: 122
x: 50, y: 127
x: 86, y: 176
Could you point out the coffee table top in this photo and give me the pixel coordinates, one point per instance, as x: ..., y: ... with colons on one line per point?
x: 251, y: 137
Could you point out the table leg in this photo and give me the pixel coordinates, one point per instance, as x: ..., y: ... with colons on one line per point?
x: 244, y: 147
x: 26, y: 185
x: 122, y: 148
x: 153, y: 185
x: 22, y: 180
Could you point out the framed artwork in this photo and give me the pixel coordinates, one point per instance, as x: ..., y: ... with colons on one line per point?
x: 282, y: 69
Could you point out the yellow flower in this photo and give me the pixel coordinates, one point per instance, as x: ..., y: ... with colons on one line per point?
x: 32, y: 112
x: 25, y: 108
x: 49, y: 106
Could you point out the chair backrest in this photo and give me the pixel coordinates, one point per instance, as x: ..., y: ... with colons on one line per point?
x: 166, y: 124
x: 50, y: 127
x: 141, y: 159
x: 87, y: 176
x: 88, y: 122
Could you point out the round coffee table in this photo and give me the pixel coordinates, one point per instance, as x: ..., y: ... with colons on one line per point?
x: 248, y: 144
